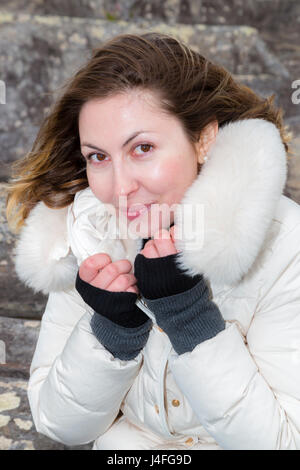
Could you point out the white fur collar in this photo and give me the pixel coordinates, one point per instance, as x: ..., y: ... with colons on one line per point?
x: 238, y: 188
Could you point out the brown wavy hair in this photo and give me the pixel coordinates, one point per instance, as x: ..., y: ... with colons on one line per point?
x: 188, y: 85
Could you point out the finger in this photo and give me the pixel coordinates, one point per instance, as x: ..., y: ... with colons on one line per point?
x: 122, y: 282
x: 110, y: 272
x: 89, y: 268
x: 172, y: 234
x: 133, y: 289
x: 150, y: 250
x: 164, y: 243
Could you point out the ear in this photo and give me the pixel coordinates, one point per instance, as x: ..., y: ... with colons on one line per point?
x: 206, y: 139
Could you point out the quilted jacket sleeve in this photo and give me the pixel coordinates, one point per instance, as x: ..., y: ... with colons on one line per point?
x: 76, y: 386
x: 246, y: 390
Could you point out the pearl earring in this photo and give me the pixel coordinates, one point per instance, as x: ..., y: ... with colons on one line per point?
x: 205, y: 158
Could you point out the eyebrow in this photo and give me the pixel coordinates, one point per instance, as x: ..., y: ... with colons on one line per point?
x: 85, y: 144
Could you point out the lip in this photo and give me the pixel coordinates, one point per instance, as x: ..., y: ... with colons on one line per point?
x: 138, y: 212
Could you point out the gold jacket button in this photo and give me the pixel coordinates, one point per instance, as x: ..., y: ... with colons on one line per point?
x: 189, y: 441
x: 160, y: 329
x: 175, y: 402
x: 156, y: 409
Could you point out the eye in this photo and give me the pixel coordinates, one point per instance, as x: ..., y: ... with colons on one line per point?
x: 99, y: 160
x: 144, y: 146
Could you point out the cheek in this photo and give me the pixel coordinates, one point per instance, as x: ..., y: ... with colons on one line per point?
x: 173, y: 176
x: 162, y: 179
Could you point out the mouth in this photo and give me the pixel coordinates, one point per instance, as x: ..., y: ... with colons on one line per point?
x: 137, y: 210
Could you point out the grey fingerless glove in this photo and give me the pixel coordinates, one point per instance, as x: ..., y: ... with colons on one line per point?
x: 182, y: 304
x: 188, y: 318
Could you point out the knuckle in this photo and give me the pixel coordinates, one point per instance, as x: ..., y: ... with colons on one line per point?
x: 124, y: 265
x: 97, y: 283
x: 85, y: 263
x: 98, y: 259
x: 112, y: 270
x: 82, y: 270
x: 105, y: 258
x: 122, y: 282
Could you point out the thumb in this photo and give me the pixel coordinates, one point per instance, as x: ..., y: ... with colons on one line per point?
x: 90, y: 267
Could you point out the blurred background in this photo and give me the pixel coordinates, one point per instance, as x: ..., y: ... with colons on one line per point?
x: 42, y: 43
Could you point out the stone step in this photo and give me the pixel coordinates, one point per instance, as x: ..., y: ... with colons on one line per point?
x: 276, y: 20
x: 265, y: 13
x: 17, y: 430
x: 16, y: 300
x: 19, y: 338
x: 38, y: 53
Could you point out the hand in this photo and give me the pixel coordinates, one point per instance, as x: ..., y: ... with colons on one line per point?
x: 161, y: 245
x: 99, y: 271
x: 156, y: 269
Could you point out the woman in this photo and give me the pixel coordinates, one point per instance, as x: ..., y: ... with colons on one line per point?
x: 167, y: 337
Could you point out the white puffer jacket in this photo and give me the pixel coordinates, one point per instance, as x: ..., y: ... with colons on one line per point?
x: 238, y: 390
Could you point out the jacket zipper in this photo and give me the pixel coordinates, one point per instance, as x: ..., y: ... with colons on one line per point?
x: 162, y: 391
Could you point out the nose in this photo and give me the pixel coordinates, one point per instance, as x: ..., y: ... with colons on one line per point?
x: 124, y: 184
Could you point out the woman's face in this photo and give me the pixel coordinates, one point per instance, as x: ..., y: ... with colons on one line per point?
x: 136, y: 155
